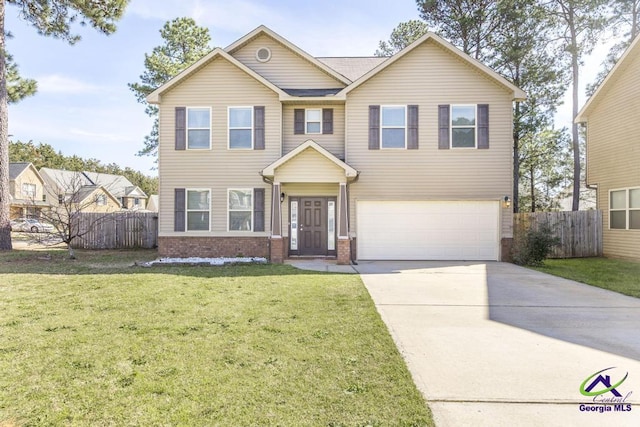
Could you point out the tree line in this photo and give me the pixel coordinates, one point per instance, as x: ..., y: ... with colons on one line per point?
x: 45, y: 156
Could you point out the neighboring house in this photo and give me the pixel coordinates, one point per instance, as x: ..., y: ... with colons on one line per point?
x: 68, y: 189
x: 130, y: 196
x: 613, y: 154
x: 267, y: 151
x: 26, y: 188
x: 153, y: 203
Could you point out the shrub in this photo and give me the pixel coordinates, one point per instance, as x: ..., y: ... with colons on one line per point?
x: 535, y: 247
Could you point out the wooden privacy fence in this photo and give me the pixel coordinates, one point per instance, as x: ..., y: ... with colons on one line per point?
x: 579, y: 232
x: 117, y: 230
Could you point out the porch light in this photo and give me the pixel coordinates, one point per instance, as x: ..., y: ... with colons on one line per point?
x: 282, y: 197
x: 506, y: 202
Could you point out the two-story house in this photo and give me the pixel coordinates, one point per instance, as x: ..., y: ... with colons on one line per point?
x: 74, y: 190
x: 613, y: 154
x: 26, y: 188
x: 266, y: 150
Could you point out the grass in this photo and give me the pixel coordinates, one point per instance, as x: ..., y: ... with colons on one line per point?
x: 611, y: 274
x: 98, y: 342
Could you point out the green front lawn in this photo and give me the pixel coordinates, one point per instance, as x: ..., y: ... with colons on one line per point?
x: 98, y: 342
x: 612, y: 274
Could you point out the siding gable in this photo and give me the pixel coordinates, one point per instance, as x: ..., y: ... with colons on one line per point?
x: 285, y: 69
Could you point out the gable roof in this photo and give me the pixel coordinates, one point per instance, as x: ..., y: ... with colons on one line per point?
x: 17, y: 168
x: 154, y: 97
x: 286, y: 43
x: 623, y: 63
x: 64, y: 180
x: 353, y: 67
x: 349, y: 172
x: 117, y: 185
x: 518, y: 94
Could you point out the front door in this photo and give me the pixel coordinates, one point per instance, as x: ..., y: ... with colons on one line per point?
x: 313, y: 226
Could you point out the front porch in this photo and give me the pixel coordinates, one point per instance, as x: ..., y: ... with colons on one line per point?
x: 309, y: 206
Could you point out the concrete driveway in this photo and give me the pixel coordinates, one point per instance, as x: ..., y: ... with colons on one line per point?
x: 494, y: 344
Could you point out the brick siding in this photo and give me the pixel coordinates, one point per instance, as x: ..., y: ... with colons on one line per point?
x: 183, y: 247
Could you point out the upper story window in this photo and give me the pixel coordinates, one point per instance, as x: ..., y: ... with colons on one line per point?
x: 241, y: 128
x: 198, y: 128
x: 136, y: 202
x: 463, y: 126
x: 240, y: 210
x: 624, y: 209
x: 29, y: 191
x: 101, y: 200
x: 313, y: 121
x: 198, y: 209
x: 393, y: 121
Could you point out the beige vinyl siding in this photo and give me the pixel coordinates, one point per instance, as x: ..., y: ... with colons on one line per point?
x: 89, y: 204
x: 285, y: 69
x: 613, y: 153
x: 309, y: 166
x: 217, y: 85
x: 302, y: 190
x: 430, y: 76
x: 334, y: 143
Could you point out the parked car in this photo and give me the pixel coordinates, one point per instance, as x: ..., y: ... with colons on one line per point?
x: 31, y: 224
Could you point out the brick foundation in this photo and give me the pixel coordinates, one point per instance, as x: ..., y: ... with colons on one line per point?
x: 182, y: 247
x: 506, y: 247
x: 277, y: 250
x: 344, y: 251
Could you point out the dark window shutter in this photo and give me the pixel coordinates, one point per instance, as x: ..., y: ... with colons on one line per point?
x: 179, y: 209
x: 327, y: 121
x: 258, y: 128
x: 258, y: 209
x: 443, y: 127
x: 298, y: 121
x: 374, y: 127
x: 412, y: 129
x: 181, y: 126
x: 483, y: 126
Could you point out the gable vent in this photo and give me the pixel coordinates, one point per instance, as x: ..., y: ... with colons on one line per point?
x: 263, y: 54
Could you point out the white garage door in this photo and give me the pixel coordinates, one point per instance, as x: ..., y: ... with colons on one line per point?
x: 428, y: 230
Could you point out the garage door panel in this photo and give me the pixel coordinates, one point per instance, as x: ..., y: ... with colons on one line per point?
x: 428, y: 230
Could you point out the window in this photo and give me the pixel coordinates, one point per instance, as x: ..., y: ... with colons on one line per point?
x: 198, y: 208
x: 198, y: 128
x: 101, y: 200
x: 463, y: 126
x: 240, y: 210
x: 136, y: 202
x: 241, y: 128
x: 29, y: 191
x: 393, y: 121
x: 313, y: 121
x: 624, y: 209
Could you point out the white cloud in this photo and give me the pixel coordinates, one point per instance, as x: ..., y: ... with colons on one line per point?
x: 59, y: 84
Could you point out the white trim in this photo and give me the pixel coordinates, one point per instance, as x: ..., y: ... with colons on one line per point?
x: 187, y: 128
x: 229, y: 128
x: 627, y: 207
x: 306, y: 121
x: 475, y: 126
x: 251, y: 209
x: 331, y: 236
x: 186, y: 209
x: 405, y: 127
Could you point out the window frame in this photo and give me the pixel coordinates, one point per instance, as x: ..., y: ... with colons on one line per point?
x: 29, y: 185
x: 452, y: 126
x: 187, y: 210
x: 101, y: 200
x: 251, y: 128
x: 627, y: 207
x: 307, y: 121
x: 250, y: 209
x: 405, y: 127
x: 187, y: 128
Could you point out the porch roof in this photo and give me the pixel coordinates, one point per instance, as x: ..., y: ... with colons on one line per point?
x: 310, y: 161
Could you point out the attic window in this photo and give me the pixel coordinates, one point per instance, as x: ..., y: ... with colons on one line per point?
x: 263, y: 54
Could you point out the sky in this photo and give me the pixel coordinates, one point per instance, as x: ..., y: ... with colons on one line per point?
x: 84, y: 107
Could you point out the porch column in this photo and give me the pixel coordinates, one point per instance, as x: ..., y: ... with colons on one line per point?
x: 277, y: 245
x: 344, y: 244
